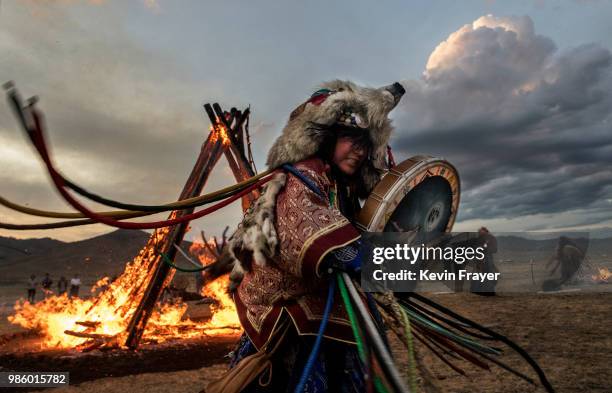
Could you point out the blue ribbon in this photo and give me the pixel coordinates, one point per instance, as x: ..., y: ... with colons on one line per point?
x: 305, y: 179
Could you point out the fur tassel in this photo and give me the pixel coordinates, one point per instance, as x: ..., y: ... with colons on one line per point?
x: 255, y: 239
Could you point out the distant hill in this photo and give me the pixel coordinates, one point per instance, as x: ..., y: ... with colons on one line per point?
x: 102, y: 255
x: 11, y: 248
x: 516, y: 243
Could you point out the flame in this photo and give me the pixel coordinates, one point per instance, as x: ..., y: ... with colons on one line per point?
x: 604, y: 275
x: 106, y: 315
x: 224, y: 313
x: 219, y: 130
x: 222, y: 132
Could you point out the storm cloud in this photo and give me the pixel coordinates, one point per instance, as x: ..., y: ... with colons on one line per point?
x: 528, y: 126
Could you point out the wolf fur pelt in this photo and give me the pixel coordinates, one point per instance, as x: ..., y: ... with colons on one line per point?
x: 299, y: 140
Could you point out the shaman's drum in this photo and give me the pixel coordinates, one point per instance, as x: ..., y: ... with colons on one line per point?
x: 420, y: 194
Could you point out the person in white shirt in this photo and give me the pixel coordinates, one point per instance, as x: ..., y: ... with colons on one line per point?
x: 75, y: 283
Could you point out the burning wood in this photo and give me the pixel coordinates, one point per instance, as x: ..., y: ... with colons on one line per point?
x: 88, y: 324
x: 87, y: 335
x: 161, y: 273
x: 105, y: 317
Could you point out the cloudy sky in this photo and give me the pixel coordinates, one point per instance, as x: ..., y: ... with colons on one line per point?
x: 518, y: 95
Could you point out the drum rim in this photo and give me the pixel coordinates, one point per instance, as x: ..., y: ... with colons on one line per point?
x: 367, y: 223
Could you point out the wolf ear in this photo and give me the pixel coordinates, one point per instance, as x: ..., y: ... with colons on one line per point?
x: 297, y: 111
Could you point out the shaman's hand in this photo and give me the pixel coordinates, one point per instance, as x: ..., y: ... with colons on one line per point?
x: 346, y: 259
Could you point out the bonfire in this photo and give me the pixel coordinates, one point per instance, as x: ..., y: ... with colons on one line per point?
x: 127, y: 311
x: 102, y: 320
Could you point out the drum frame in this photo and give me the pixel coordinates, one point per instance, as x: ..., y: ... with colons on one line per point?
x: 398, y: 182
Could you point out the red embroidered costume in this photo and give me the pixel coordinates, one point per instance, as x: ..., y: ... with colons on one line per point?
x: 308, y: 228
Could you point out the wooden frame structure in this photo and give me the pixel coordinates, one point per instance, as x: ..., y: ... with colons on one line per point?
x: 229, y: 136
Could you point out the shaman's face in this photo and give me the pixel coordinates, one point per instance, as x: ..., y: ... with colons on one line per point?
x: 349, y: 155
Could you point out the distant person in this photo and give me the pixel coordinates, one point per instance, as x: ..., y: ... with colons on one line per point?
x: 62, y: 285
x: 46, y: 284
x: 106, y: 284
x: 487, y: 241
x: 75, y: 284
x: 32, y: 288
x: 568, y: 256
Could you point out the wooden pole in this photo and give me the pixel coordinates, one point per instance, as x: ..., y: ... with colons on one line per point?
x: 240, y: 176
x: 240, y: 166
x: 240, y: 156
x: 209, y: 155
x: 211, y: 151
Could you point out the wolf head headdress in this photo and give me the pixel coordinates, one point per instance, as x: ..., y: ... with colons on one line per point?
x: 344, y: 103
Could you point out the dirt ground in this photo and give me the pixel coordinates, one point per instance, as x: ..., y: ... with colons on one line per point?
x: 567, y: 333
x: 179, y: 381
